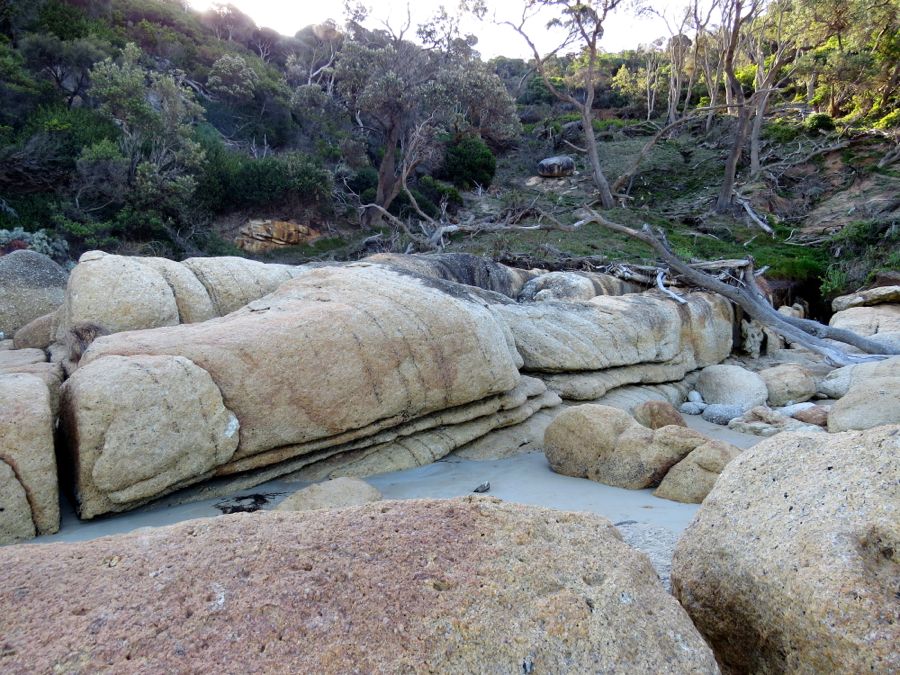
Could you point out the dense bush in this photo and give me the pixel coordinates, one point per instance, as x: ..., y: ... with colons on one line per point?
x: 818, y: 122
x: 469, y: 162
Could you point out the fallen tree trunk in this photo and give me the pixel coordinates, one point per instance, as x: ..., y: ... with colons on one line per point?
x: 806, y: 333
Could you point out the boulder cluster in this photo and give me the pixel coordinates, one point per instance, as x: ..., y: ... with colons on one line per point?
x: 132, y: 378
x: 215, y: 368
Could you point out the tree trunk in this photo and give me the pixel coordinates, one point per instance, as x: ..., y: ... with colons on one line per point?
x: 723, y: 202
x: 388, y: 182
x: 811, y: 85
x: 603, y: 191
x: 756, y: 132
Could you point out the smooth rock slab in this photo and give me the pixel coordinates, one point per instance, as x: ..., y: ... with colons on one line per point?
x: 467, y: 585
x: 28, y: 458
x: 792, y: 563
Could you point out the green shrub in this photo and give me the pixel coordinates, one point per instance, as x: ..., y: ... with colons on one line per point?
x: 469, y: 162
x: 818, y: 122
x: 781, y: 131
x: 889, y: 121
x: 437, y: 191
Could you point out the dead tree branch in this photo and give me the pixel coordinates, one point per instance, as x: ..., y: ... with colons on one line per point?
x: 808, y: 334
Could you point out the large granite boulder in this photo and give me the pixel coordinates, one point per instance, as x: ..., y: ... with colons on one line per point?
x: 839, y: 381
x: 607, y: 445
x: 733, y: 386
x: 872, y: 296
x: 869, y: 403
x: 556, y: 167
x: 585, y: 349
x: 868, y: 321
x: 338, y: 493
x: 29, y: 496
x: 120, y: 293
x: 336, y: 360
x: 144, y: 425
x: 791, y: 564
x: 38, y: 333
x: 458, y: 586
x: 31, y: 285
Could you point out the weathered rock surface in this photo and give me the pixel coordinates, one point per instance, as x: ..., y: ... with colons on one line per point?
x: 573, y: 286
x: 556, y: 167
x: 338, y: 493
x: 692, y: 478
x: 873, y: 296
x: 38, y: 333
x: 607, y: 445
x: 838, y: 382
x: 791, y: 564
x: 732, y: 385
x: 461, y: 268
x: 142, y: 425
x: 29, y: 496
x: 121, y: 293
x: 466, y: 585
x: 31, y: 285
x: 788, y: 383
x: 260, y: 235
x: 868, y: 321
x: 584, y: 349
x: 657, y: 414
x: 817, y: 415
x: 869, y: 403
x: 335, y: 356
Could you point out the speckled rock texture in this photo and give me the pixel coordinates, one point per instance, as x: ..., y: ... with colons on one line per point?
x: 31, y: 285
x: 38, y: 333
x: 451, y: 586
x: 331, y: 494
x: 869, y: 403
x: 792, y: 563
x: 692, y: 478
x: 838, y: 382
x: 336, y: 356
x: 141, y: 426
x: 29, y: 496
x: 123, y: 293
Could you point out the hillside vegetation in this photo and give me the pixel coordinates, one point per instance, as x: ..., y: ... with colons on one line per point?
x: 145, y: 127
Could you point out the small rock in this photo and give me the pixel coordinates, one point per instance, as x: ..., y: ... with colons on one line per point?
x: 788, y: 383
x: 695, y: 397
x: 815, y: 414
x: 689, y: 408
x: 792, y: 410
x: 718, y: 413
x: 657, y: 414
x: 337, y: 493
x: 484, y: 487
